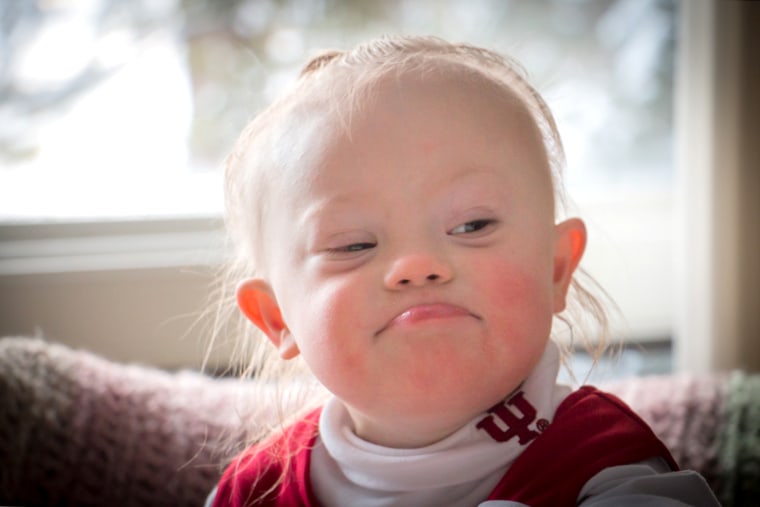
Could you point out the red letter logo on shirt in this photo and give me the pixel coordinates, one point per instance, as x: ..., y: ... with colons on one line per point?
x: 516, y: 426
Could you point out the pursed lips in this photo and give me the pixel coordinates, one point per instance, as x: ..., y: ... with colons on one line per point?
x: 425, y: 312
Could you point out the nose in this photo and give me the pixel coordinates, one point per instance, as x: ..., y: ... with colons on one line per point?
x: 417, y: 270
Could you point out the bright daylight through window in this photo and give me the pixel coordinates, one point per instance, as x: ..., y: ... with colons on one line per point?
x: 121, y: 109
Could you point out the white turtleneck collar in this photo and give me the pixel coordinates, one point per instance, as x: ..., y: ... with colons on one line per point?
x: 460, y: 470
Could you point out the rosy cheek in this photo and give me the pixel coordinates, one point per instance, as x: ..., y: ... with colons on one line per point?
x: 508, y: 283
x: 334, y: 316
x: 521, y: 292
x: 334, y: 303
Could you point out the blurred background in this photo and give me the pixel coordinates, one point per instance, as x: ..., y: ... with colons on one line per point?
x: 115, y: 117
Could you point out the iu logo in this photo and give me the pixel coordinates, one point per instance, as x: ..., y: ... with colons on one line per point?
x: 514, y: 425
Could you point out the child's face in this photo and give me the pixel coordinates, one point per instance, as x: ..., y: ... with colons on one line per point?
x: 415, y: 264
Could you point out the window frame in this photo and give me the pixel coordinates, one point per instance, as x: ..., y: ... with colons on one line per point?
x: 29, y: 249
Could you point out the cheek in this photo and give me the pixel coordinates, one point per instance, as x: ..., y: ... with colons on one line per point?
x: 327, y: 326
x: 520, y: 293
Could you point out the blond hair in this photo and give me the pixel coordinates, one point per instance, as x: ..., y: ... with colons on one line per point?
x: 250, y: 169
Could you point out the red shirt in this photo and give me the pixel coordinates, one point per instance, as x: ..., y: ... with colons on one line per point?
x: 591, y: 431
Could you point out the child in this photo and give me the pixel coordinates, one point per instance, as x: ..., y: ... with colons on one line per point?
x: 396, y: 220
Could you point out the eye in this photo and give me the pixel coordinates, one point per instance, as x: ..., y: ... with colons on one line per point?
x: 472, y: 226
x: 352, y: 248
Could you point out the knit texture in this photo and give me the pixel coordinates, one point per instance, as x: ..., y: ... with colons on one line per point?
x: 686, y: 412
x: 740, y: 443
x: 76, y: 429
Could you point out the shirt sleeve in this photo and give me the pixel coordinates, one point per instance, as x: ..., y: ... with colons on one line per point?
x: 648, y: 483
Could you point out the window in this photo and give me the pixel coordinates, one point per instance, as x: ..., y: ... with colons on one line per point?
x: 123, y: 111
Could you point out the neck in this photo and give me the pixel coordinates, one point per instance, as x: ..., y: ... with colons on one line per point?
x: 458, y: 468
x: 403, y: 432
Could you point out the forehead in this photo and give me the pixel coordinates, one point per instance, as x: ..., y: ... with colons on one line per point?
x: 347, y: 120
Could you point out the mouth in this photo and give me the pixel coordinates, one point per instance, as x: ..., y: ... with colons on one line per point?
x: 427, y: 313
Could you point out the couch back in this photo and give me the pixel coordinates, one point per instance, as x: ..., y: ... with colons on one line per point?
x: 76, y: 429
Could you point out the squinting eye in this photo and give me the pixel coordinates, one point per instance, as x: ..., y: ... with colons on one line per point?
x: 352, y: 248
x: 472, y: 226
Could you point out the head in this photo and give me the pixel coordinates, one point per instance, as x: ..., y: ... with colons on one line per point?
x: 398, y: 230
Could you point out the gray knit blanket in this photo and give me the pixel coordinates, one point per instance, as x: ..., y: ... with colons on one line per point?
x: 79, y: 430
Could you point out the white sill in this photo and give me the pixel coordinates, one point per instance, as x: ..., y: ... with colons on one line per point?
x: 109, y: 245
x: 630, y: 251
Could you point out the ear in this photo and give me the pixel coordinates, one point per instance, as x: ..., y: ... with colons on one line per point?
x: 570, y: 242
x: 257, y: 302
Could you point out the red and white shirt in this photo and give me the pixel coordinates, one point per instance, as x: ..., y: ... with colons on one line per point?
x: 543, y: 446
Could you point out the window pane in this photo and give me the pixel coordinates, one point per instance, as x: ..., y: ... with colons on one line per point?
x: 126, y: 109
x: 122, y: 109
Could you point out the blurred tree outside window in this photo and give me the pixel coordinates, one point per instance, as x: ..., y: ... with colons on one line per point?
x: 124, y: 108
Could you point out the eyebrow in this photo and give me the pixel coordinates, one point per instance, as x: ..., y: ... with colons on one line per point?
x: 350, y: 200
x: 326, y: 205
